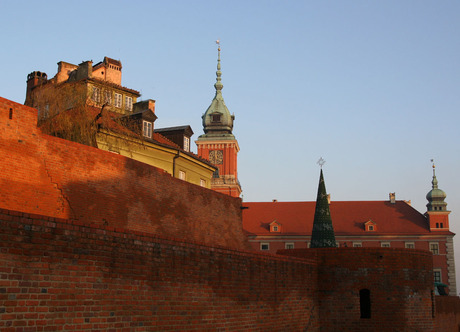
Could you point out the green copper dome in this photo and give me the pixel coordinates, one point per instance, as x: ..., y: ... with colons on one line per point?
x: 217, y: 121
x: 436, y: 196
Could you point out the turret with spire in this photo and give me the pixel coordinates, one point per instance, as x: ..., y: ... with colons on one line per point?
x: 218, y: 144
x: 438, y: 216
x: 322, y: 235
x: 217, y: 120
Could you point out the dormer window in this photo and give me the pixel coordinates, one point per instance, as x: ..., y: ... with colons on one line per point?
x: 275, y: 227
x: 147, y: 129
x: 370, y: 226
x: 215, y: 117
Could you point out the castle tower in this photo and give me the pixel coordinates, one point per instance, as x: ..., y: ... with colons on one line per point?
x: 218, y: 144
x: 322, y: 235
x: 438, y: 216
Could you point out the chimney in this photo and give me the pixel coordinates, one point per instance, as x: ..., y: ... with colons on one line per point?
x: 392, y: 198
x: 85, y: 70
x: 34, y: 79
x: 275, y: 200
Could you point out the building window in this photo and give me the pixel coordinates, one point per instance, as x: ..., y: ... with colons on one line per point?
x: 118, y: 100
x: 96, y: 95
x: 371, y: 227
x: 437, y: 275
x: 357, y: 244
x: 203, y: 182
x: 264, y: 246
x: 410, y: 245
x: 365, y: 303
x: 186, y: 143
x: 182, y: 175
x: 275, y: 228
x: 385, y: 244
x: 434, y: 248
x: 128, y: 103
x: 108, y: 97
x: 289, y: 245
x: 147, y: 129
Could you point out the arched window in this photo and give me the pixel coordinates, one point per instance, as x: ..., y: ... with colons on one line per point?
x: 365, y: 303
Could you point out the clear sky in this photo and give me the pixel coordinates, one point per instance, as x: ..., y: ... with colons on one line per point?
x: 370, y: 86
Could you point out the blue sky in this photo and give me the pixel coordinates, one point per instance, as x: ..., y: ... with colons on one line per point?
x: 370, y: 86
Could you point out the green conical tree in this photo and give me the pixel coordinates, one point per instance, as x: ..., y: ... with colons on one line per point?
x: 322, y: 235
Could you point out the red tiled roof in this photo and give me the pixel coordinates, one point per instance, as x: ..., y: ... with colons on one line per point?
x: 348, y: 218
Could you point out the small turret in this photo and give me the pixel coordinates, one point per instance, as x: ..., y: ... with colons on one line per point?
x: 437, y: 214
x: 436, y: 196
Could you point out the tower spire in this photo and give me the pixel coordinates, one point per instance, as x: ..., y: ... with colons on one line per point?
x: 436, y: 196
x: 322, y: 235
x: 219, y: 86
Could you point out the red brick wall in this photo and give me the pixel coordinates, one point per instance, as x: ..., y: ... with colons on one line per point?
x: 45, y: 175
x: 447, y: 313
x: 400, y: 282
x: 57, y: 275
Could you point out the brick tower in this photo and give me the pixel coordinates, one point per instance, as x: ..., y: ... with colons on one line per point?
x: 218, y: 144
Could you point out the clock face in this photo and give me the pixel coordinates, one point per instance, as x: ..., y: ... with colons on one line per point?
x: 216, y: 157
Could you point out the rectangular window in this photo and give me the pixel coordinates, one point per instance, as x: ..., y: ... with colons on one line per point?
x: 410, y: 245
x: 96, y: 95
x: 117, y: 101
x: 357, y: 244
x: 128, y: 103
x: 186, y: 143
x: 203, y: 182
x: 147, y: 129
x: 108, y: 97
x: 264, y: 246
x: 385, y: 244
x: 289, y: 245
x: 182, y: 175
x: 437, y: 275
x: 434, y: 248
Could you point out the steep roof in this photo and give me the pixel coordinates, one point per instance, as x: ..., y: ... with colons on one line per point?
x: 348, y: 218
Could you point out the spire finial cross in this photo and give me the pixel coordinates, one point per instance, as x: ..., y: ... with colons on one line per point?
x: 321, y: 162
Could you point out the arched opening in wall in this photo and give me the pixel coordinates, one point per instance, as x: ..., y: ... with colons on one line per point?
x: 365, y: 303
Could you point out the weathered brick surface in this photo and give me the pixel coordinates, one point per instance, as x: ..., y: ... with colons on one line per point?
x: 56, y: 275
x: 94, y: 241
x: 447, y: 314
x: 400, y: 282
x: 46, y: 175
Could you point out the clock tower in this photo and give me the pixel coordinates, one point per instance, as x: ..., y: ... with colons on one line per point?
x: 218, y: 144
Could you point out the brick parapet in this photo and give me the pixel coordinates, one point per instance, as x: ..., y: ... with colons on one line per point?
x: 57, y: 275
x: 62, y: 179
